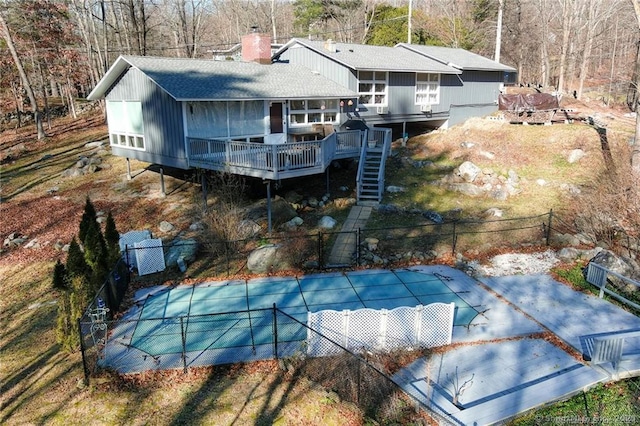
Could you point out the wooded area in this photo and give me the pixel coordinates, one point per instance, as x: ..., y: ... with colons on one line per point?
x: 60, y: 49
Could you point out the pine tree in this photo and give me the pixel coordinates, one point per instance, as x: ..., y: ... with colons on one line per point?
x: 76, y: 265
x: 89, y: 217
x: 59, y: 280
x: 96, y: 255
x: 112, y: 238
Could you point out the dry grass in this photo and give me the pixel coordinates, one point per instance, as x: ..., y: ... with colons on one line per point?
x: 39, y: 384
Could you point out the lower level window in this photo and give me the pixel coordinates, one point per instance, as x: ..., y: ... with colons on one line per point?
x: 127, y: 140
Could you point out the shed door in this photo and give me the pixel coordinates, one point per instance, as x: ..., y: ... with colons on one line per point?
x: 275, y: 112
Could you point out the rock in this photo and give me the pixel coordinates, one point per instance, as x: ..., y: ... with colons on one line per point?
x: 247, y: 228
x: 512, y: 177
x: 467, y: 145
x: 313, y: 202
x: 95, y: 144
x: 33, y: 244
x: 293, y: 223
x: 468, y: 171
x: 433, y: 216
x: 468, y: 189
x: 179, y: 248
x: 541, y: 182
x: 493, y: 212
x: 568, y: 254
x: 393, y: 189
x: 344, y: 188
x: 387, y: 209
x: 618, y: 264
x: 293, y: 197
x: 342, y: 203
x: 371, y: 243
x: 488, y: 155
x: 165, y: 226
x: 575, y: 156
x: 197, y: 226
x: 264, y: 259
x: 327, y: 222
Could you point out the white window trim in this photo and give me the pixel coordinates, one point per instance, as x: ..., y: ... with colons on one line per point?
x: 437, y: 91
x: 115, y: 136
x: 306, y: 111
x: 373, y: 84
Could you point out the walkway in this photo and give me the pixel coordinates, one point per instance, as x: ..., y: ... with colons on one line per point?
x: 510, y: 365
x: 344, y: 247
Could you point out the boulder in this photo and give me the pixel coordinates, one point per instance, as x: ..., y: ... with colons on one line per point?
x: 248, y: 228
x: 575, y: 156
x: 468, y: 171
x: 165, y: 226
x: 185, y: 249
x: 618, y: 264
x: 264, y: 258
x: 327, y: 222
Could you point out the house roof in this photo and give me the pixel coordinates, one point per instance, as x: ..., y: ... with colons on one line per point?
x: 205, y: 79
x: 372, y: 58
x: 457, y: 58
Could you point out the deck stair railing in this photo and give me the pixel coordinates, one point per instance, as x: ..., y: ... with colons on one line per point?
x: 370, y: 179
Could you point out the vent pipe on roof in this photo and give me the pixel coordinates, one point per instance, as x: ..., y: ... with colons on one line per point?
x: 330, y: 46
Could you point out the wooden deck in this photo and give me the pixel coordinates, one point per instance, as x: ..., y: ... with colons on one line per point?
x: 274, y: 161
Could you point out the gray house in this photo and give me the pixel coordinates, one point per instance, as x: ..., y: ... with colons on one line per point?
x: 405, y: 83
x: 476, y: 91
x: 283, y: 116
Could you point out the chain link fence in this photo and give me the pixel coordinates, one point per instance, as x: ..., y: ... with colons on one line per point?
x: 361, y: 377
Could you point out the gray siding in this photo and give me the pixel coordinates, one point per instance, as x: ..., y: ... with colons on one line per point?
x: 325, y: 66
x: 162, y: 116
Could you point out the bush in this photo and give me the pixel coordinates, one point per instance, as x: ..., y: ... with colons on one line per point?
x: 59, y: 280
x: 88, y: 219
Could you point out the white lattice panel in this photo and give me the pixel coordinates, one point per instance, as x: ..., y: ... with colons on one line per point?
x: 401, y: 327
x: 364, y: 330
x: 149, y: 256
x: 437, y: 324
x: 372, y: 330
x: 126, y: 243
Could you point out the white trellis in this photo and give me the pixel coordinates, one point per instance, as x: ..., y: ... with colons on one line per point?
x: 380, y: 330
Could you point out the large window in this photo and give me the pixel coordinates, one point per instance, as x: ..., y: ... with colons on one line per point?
x: 126, y: 128
x: 306, y: 111
x: 372, y: 88
x: 427, y: 89
x: 225, y: 119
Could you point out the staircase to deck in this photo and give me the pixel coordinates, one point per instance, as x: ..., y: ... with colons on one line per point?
x: 370, y: 186
x: 370, y: 180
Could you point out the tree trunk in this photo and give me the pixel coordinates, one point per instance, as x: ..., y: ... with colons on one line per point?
x: 23, y: 76
x: 635, y: 158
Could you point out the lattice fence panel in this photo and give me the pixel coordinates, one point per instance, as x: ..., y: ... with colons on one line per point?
x: 149, y: 256
x: 436, y: 325
x: 402, y: 327
x: 368, y: 329
x: 364, y: 330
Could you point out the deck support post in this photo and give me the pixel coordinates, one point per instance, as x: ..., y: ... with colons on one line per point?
x: 268, y: 206
x: 162, y: 189
x: 128, y: 169
x: 404, y: 134
x: 327, y: 177
x: 203, y: 180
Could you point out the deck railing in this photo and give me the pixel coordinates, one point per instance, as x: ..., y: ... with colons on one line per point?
x: 277, y: 161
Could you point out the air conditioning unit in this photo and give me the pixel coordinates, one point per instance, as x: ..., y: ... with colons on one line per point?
x: 425, y: 108
x: 382, y: 110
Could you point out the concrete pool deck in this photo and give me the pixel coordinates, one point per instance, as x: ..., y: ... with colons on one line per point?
x: 504, y: 359
x: 503, y: 366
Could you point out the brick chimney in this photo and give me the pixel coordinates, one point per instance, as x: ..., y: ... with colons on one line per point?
x: 256, y: 47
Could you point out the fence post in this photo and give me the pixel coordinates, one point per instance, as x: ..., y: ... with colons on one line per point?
x: 275, y: 332
x: 320, y: 261
x: 548, y: 236
x: 454, y: 242
x: 83, y: 349
x: 184, y: 347
x: 358, y: 236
